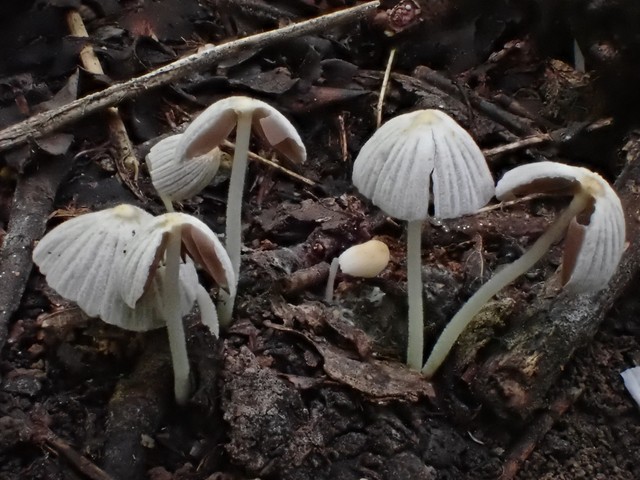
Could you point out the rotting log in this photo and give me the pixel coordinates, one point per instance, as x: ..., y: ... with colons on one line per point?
x: 516, y: 375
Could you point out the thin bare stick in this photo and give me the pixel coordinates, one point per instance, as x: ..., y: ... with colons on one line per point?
x: 383, y: 88
x: 253, y: 156
x: 508, y: 203
x: 125, y: 159
x: 82, y: 464
x: 555, y: 136
x: 47, y: 122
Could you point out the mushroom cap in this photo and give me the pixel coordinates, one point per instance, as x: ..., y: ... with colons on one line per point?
x: 420, y: 151
x: 142, y: 258
x: 365, y: 260
x: 177, y: 180
x: 79, y: 259
x: 215, y: 124
x: 595, y: 239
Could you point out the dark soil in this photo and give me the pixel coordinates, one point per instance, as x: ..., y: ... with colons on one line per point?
x: 297, y: 388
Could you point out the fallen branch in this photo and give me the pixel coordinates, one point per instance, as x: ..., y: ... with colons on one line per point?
x: 80, y: 463
x: 47, y: 122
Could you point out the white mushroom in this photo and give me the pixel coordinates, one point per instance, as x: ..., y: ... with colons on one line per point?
x: 210, y: 129
x: 163, y: 239
x: 595, y: 235
x: 412, y: 160
x: 365, y: 260
x: 87, y: 260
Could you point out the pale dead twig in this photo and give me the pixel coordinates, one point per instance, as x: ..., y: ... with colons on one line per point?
x: 125, y: 159
x: 383, y: 87
x: 47, y: 122
x: 509, y: 203
x: 344, y: 151
x: 541, y: 138
x: 272, y: 164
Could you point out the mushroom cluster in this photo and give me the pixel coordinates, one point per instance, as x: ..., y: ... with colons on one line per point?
x: 425, y: 158
x: 138, y: 271
x: 182, y: 165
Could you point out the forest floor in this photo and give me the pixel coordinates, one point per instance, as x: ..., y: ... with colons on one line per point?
x: 297, y: 388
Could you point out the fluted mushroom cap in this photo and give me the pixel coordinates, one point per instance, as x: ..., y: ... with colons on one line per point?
x: 420, y: 157
x: 595, y: 238
x: 178, y: 180
x: 215, y: 124
x: 79, y: 259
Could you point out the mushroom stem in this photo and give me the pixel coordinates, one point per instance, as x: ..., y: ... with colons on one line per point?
x: 415, y: 340
x: 168, y: 204
x: 501, y: 279
x: 208, y: 314
x: 175, y: 328
x: 333, y: 271
x: 234, y: 207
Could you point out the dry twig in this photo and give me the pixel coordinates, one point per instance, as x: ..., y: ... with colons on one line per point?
x: 253, y: 156
x: 383, y: 88
x: 558, y: 136
x: 511, y: 122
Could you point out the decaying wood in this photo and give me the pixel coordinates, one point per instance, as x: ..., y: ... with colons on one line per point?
x: 32, y: 204
x: 517, y: 375
x: 47, y: 122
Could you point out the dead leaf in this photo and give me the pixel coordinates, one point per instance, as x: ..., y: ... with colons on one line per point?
x: 55, y: 144
x: 382, y: 381
x: 65, y: 95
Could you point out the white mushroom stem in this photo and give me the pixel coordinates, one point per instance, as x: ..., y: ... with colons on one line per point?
x: 208, y: 314
x: 504, y: 277
x: 415, y: 341
x: 333, y: 271
x: 234, y: 207
x: 168, y: 204
x: 173, y: 318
